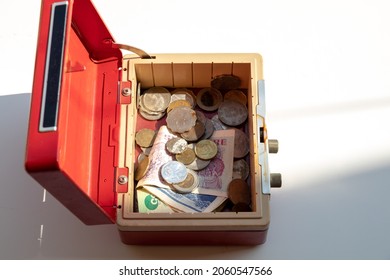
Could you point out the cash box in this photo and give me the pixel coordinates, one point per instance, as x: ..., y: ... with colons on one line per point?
x: 86, y: 110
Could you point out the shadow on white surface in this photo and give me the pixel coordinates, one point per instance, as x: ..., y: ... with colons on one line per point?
x: 346, y: 216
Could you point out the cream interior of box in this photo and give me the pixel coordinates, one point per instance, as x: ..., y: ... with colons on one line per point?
x: 168, y: 72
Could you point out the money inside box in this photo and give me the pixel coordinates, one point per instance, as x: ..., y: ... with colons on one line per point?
x: 191, y: 140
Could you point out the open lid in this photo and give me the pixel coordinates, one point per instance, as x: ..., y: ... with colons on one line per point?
x: 71, y: 145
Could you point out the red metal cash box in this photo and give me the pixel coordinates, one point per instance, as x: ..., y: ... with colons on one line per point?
x: 83, y: 120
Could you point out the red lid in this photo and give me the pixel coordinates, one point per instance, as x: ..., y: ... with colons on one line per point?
x: 71, y: 145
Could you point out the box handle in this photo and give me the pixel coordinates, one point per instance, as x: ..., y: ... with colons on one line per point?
x: 142, y: 54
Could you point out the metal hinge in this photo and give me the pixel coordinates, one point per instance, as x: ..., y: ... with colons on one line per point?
x: 125, y: 92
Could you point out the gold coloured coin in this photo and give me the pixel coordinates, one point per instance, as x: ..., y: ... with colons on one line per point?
x: 145, y: 137
x: 186, y: 157
x: 197, y: 164
x: 239, y: 192
x: 141, y: 168
x: 189, y: 184
x: 181, y: 119
x: 206, y: 149
x: 236, y: 95
x: 178, y: 103
x: 232, y: 113
x: 184, y: 94
x: 209, y: 99
x: 194, y: 133
x: 156, y: 99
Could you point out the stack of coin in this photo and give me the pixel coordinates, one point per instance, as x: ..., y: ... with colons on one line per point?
x: 154, y: 102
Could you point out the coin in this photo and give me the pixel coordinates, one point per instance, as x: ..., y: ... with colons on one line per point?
x: 187, y: 156
x: 232, y: 113
x: 145, y: 137
x: 241, y: 207
x: 200, y: 116
x: 194, y: 133
x: 151, y: 117
x: 236, y: 95
x: 174, y: 172
x: 184, y: 94
x: 181, y: 119
x: 146, y: 151
x: 226, y: 82
x: 239, y: 192
x: 178, y: 103
x: 240, y: 169
x: 141, y: 157
x: 218, y: 125
x: 241, y: 143
x: 209, y: 99
x: 206, y: 149
x: 209, y: 129
x: 176, y: 145
x: 189, y: 184
x: 141, y: 168
x: 156, y: 99
x: 197, y: 164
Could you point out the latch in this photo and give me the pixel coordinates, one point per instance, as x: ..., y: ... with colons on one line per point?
x: 265, y: 145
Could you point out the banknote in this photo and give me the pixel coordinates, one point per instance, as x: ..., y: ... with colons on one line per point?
x: 213, y: 180
x: 148, y: 203
x: 189, y: 203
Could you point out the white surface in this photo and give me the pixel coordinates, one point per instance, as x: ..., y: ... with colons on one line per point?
x: 326, y: 66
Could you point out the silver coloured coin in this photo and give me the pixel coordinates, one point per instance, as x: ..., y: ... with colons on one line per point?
x: 176, y: 145
x: 241, y: 143
x: 200, y: 117
x: 181, y: 119
x: 209, y: 129
x: 240, y: 169
x: 218, y: 125
x: 174, y: 172
x: 232, y: 113
x: 156, y: 99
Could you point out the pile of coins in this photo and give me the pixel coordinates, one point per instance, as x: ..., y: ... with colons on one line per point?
x: 193, y: 118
